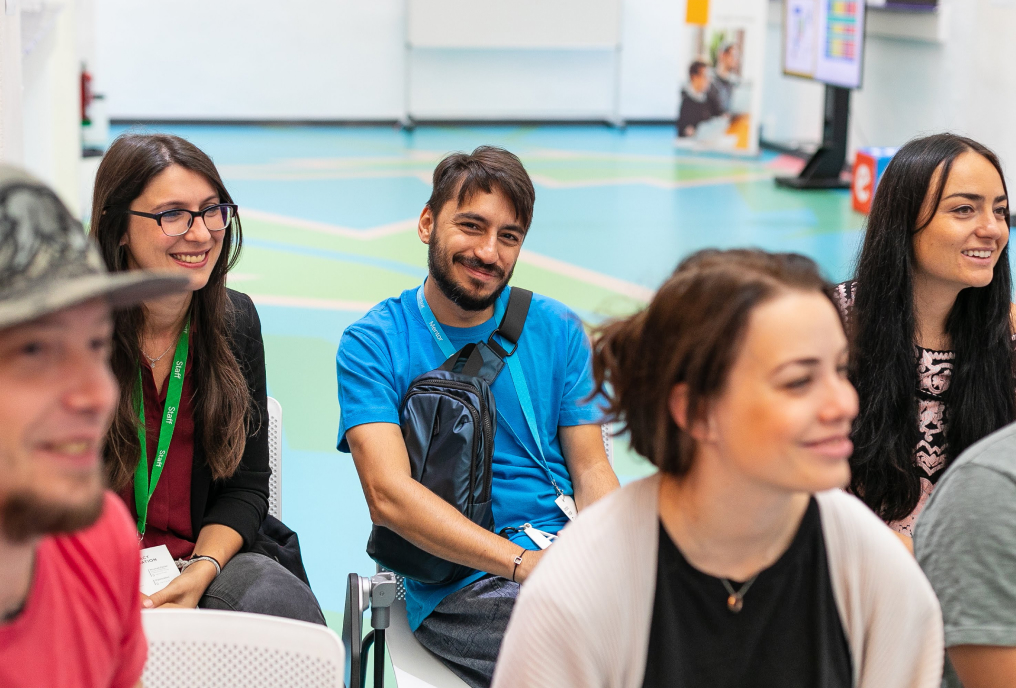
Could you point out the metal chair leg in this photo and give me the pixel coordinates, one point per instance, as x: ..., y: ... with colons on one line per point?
x: 377, y: 593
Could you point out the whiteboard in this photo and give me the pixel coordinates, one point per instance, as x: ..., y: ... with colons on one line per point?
x: 545, y: 24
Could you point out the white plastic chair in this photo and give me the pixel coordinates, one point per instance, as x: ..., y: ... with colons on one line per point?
x: 275, y: 458
x: 204, y: 647
x: 415, y: 666
x: 608, y: 442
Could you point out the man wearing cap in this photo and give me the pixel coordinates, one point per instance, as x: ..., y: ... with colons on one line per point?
x: 70, y: 604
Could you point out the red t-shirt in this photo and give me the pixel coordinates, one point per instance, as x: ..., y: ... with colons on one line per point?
x: 81, y: 624
x: 169, y: 512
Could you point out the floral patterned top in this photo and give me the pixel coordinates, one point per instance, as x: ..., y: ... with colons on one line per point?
x: 934, y: 369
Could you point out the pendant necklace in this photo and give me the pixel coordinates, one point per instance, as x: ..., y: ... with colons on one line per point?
x: 153, y: 361
x: 735, y: 599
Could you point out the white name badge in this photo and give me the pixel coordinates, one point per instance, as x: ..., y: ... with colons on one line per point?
x: 540, y: 539
x: 566, y: 504
x: 157, y: 569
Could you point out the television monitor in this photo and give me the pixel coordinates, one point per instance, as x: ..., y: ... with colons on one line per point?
x: 905, y: 5
x: 824, y: 40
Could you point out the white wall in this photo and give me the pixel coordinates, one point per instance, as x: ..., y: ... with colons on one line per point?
x: 965, y: 82
x: 345, y: 59
x: 52, y: 99
x: 40, y: 116
x: 652, y: 35
x: 11, y: 114
x: 251, y: 59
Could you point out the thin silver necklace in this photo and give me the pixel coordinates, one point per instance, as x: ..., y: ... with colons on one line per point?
x: 735, y: 599
x: 153, y: 361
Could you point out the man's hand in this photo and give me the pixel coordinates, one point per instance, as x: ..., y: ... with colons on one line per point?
x: 185, y: 590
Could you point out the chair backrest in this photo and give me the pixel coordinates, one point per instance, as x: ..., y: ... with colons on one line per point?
x: 204, y: 647
x: 608, y: 442
x: 275, y: 458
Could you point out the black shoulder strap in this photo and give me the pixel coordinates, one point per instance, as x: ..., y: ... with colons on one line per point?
x: 513, y: 321
x: 467, y: 361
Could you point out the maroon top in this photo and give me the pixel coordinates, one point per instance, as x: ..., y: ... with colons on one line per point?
x: 169, y: 511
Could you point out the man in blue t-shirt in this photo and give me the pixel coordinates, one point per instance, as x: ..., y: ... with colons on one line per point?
x: 546, y: 463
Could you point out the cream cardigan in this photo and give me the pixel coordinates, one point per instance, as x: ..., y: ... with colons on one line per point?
x: 583, y: 617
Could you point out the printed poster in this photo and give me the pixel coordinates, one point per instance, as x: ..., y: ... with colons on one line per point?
x: 720, y: 99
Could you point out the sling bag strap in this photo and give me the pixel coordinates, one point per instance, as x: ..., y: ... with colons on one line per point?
x: 510, y: 328
x: 469, y: 357
x: 512, y: 323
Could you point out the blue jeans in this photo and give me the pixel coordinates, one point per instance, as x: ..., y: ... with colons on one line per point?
x: 254, y: 583
x: 466, y: 629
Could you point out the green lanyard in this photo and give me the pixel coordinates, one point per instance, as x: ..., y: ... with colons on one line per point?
x: 143, y: 487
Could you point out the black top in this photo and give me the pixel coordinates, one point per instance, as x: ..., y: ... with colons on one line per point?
x: 240, y: 501
x: 693, y: 111
x: 788, y: 632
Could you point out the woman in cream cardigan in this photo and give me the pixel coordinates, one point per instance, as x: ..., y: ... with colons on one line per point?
x: 741, y: 563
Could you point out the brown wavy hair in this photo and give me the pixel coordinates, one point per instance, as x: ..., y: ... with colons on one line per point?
x: 222, y: 404
x: 690, y: 333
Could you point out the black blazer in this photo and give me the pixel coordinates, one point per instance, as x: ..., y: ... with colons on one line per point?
x: 240, y: 501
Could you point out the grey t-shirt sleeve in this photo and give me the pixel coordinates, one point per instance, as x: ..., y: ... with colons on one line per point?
x: 966, y: 543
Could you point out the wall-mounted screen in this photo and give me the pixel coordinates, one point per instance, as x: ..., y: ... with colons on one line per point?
x: 824, y: 40
x: 905, y: 5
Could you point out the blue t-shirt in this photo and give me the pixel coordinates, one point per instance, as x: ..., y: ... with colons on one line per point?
x: 383, y: 352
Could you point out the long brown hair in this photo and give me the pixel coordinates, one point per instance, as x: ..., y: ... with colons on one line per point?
x: 690, y: 333
x: 222, y: 405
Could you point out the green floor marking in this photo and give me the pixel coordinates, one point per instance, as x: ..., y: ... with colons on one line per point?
x: 302, y: 375
x: 404, y: 247
x: 278, y: 273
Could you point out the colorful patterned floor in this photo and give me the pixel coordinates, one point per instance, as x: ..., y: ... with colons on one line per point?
x: 329, y: 217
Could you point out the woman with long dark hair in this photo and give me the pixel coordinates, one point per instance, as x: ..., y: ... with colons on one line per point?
x: 740, y: 563
x: 928, y: 317
x: 191, y: 372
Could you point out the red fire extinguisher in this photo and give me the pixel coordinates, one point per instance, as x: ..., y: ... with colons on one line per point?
x: 86, y: 94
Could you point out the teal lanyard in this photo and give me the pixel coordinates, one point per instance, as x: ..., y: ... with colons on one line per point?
x: 143, y: 487
x: 514, y: 369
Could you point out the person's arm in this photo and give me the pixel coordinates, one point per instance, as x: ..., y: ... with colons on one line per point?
x: 907, y: 541
x: 590, y: 471
x: 984, y: 666
x: 403, y: 505
x: 216, y: 541
x: 964, y: 543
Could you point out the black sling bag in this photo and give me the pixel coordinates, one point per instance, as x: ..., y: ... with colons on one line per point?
x: 448, y: 419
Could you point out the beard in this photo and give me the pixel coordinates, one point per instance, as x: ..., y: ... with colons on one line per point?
x: 25, y: 515
x: 439, y: 263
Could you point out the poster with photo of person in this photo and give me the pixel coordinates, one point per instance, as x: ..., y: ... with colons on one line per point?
x: 720, y: 92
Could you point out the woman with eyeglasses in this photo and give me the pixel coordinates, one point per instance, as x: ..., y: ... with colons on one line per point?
x: 740, y: 563
x: 188, y: 446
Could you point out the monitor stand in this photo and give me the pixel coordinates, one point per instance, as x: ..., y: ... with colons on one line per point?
x: 824, y: 168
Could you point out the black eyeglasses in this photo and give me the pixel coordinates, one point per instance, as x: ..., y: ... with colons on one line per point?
x: 178, y: 221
